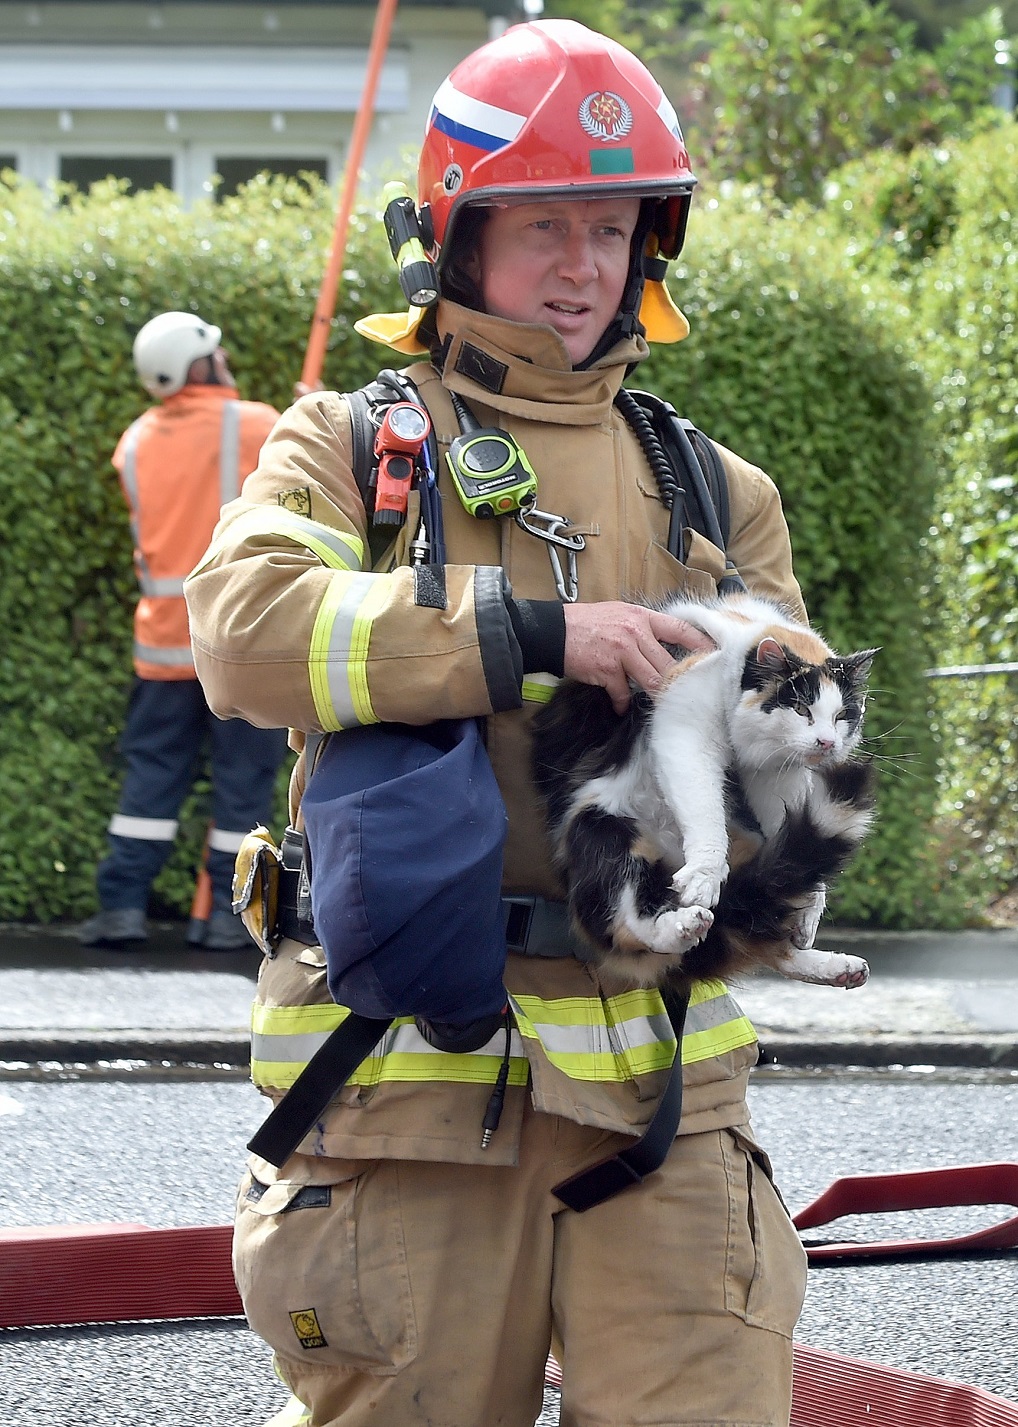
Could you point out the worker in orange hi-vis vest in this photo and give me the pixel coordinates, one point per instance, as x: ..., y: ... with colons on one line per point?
x: 179, y: 463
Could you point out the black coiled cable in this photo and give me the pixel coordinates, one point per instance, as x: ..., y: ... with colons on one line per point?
x: 657, y: 457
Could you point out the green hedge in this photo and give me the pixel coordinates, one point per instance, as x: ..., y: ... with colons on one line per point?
x: 942, y: 222
x: 792, y: 362
x: 76, y: 283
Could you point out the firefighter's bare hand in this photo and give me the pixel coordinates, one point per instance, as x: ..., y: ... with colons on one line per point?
x: 612, y: 643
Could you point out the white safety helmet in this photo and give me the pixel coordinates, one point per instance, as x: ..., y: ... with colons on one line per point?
x: 165, y: 348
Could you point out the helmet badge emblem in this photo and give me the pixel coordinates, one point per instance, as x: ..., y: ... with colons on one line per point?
x: 606, y: 115
x: 452, y: 179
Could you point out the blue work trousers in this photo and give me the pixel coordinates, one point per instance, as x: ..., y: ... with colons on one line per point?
x: 168, y: 733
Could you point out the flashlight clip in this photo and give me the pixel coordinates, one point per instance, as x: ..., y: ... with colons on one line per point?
x: 409, y: 238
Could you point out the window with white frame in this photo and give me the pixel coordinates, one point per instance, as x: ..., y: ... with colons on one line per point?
x: 141, y: 170
x: 241, y: 169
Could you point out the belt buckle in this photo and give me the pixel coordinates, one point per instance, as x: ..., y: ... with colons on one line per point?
x: 519, y: 918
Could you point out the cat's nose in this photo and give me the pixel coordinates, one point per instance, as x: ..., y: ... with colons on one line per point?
x: 824, y: 745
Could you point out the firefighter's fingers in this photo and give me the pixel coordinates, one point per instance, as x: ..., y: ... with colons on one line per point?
x: 613, y: 644
x: 670, y: 630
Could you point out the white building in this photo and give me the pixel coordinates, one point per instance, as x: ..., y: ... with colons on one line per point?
x: 174, y: 93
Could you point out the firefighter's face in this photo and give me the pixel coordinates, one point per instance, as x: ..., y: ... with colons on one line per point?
x: 560, y: 262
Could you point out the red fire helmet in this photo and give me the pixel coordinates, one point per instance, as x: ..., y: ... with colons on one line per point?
x: 551, y: 107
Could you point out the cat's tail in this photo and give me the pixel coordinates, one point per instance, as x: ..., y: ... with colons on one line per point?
x: 761, y: 898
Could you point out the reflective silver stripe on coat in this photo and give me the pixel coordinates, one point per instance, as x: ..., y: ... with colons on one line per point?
x: 347, y: 642
x: 223, y: 841
x: 336, y: 549
x: 399, y: 1040
x: 144, y: 829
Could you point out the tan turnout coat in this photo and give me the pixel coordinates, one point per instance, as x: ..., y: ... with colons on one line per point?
x: 260, y: 608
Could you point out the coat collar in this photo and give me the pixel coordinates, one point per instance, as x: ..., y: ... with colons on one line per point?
x: 524, y: 369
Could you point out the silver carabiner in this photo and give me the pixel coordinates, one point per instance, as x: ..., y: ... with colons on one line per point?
x: 554, y: 531
x: 550, y: 528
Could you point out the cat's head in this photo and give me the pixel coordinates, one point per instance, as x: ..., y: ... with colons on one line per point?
x: 800, y: 703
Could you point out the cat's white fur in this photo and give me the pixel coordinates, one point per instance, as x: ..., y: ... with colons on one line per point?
x: 706, y: 726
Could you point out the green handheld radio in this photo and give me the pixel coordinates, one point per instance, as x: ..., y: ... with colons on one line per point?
x: 489, y: 468
x: 407, y: 237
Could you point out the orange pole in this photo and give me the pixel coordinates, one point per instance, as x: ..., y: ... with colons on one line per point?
x: 314, y: 357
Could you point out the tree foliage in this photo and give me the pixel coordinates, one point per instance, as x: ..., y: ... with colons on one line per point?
x: 781, y: 93
x: 790, y: 92
x: 941, y: 223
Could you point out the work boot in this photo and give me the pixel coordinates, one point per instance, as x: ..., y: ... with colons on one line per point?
x: 114, y: 926
x: 226, y: 932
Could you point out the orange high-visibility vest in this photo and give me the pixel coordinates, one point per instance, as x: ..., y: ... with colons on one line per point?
x: 179, y: 463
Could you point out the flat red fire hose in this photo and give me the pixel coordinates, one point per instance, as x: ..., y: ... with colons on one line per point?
x: 104, y: 1273
x: 914, y: 1189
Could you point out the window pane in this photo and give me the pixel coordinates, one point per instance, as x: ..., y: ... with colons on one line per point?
x: 86, y: 169
x: 236, y: 171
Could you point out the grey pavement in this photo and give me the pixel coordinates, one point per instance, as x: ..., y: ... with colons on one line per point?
x: 942, y: 999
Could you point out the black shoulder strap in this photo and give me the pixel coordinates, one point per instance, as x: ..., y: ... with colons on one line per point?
x: 701, y: 499
x: 632, y: 1165
x: 716, y: 476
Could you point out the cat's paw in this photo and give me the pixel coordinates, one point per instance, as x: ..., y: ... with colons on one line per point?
x: 804, y: 928
x: 855, y: 973
x: 676, y: 931
x: 825, y: 968
x: 699, y: 884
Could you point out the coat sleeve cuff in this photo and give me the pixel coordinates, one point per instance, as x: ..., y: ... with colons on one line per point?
x: 501, y: 656
x: 540, y: 630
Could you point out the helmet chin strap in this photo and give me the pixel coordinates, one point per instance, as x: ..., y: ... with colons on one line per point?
x: 626, y: 321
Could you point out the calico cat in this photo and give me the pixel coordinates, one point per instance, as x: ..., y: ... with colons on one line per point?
x: 698, y: 831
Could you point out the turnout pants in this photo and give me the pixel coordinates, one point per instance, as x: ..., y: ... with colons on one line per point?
x: 168, y: 729
x: 421, y: 1293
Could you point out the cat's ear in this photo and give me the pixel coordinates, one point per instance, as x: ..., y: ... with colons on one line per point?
x: 857, y: 666
x: 771, y: 656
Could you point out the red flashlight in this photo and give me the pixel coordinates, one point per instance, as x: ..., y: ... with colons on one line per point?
x: 403, y: 432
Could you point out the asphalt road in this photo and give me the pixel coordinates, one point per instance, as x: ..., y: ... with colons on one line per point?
x: 169, y: 1153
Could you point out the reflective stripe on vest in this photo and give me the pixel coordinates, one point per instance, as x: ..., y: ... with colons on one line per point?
x: 178, y: 656
x: 610, y: 1040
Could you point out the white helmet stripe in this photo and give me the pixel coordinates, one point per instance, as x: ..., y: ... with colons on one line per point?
x: 668, y: 117
x: 472, y: 121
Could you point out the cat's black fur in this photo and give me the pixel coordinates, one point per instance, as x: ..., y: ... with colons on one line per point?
x: 625, y: 807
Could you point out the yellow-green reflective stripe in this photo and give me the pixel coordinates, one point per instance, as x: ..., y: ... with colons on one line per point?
x: 586, y: 1038
x: 335, y: 548
x: 630, y: 1034
x: 340, y: 638
x: 283, y: 1040
x: 538, y: 688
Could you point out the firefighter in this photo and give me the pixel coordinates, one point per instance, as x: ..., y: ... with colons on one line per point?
x: 404, y: 1271
x: 178, y: 464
